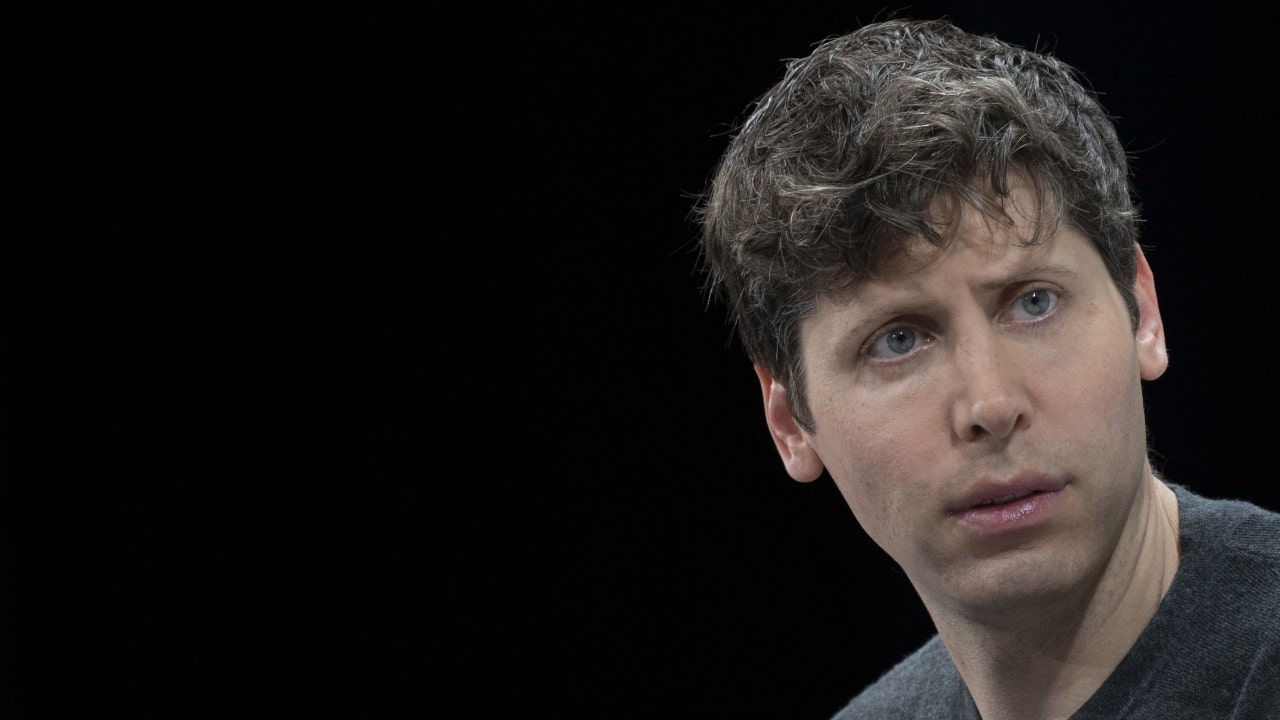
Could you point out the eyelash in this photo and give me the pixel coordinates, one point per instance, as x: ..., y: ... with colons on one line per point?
x: 868, y: 350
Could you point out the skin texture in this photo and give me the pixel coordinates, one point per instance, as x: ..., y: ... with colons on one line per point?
x: 965, y: 374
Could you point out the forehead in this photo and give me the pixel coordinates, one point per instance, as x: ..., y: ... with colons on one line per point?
x: 986, y: 242
x: 985, y: 255
x: 1018, y: 219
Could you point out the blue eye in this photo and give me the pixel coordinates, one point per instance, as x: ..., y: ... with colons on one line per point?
x: 898, y: 341
x: 1035, y: 303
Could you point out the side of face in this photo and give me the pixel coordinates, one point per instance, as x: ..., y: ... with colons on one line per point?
x: 980, y: 410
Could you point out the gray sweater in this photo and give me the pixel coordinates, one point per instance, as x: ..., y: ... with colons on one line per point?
x: 1211, y: 652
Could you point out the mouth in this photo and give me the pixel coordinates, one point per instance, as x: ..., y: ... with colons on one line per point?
x: 1012, y: 497
x: 1021, y: 489
x: 998, y: 508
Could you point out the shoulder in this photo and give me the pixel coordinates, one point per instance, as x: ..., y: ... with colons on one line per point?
x: 1229, y: 567
x: 925, y: 684
x: 1214, y: 643
x: 1238, y: 528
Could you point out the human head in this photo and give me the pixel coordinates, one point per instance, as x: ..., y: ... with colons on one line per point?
x: 851, y: 154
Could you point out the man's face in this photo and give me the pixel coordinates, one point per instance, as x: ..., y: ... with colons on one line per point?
x: 980, y: 410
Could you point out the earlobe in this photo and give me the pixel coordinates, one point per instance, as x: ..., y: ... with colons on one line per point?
x: 1153, y: 356
x: 798, y: 455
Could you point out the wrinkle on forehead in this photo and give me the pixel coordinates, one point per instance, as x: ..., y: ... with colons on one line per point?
x: 1017, y: 218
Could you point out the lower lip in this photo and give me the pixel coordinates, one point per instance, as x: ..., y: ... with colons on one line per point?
x: 1021, y: 513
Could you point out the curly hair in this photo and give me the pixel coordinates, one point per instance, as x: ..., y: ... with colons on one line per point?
x: 839, y: 163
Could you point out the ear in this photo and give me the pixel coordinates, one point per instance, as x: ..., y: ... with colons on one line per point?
x: 1153, y: 356
x: 798, y: 455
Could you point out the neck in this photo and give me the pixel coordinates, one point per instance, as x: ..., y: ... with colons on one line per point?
x: 1046, y: 661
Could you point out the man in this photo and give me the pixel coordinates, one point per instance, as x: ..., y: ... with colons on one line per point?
x: 927, y: 243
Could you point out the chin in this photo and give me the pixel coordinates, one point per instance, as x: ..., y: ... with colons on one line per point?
x: 1016, y: 582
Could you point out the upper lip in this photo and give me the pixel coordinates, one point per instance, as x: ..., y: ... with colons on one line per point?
x: 996, y: 490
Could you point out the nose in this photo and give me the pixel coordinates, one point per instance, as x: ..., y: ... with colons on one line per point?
x: 991, y: 400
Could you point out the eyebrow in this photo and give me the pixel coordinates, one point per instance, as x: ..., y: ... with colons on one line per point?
x: 1030, y: 273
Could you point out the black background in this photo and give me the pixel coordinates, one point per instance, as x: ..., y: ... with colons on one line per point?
x: 357, y: 364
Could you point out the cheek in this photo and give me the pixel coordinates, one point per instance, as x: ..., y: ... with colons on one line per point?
x: 1103, y: 392
x: 879, y: 464
x: 1089, y: 420
x: 1101, y: 377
